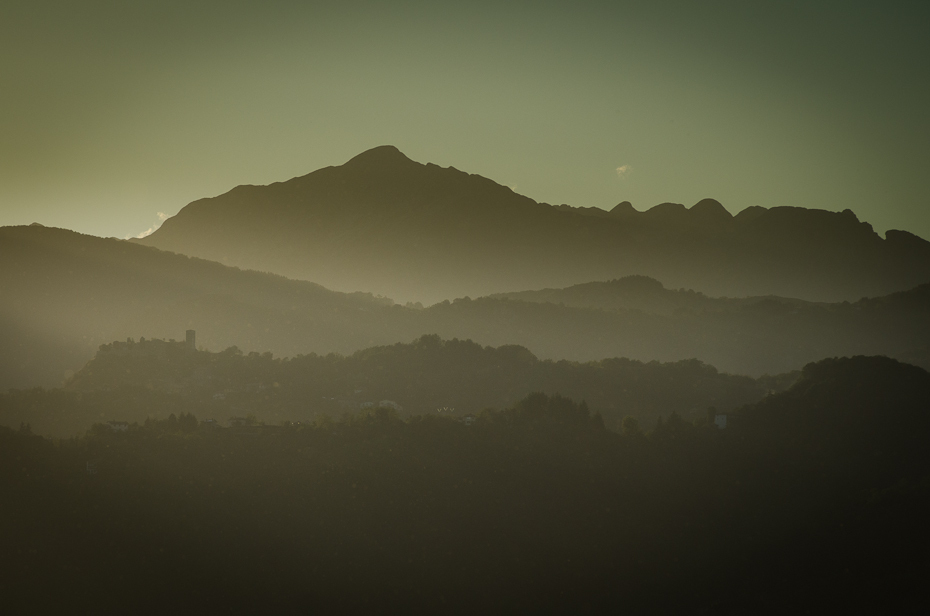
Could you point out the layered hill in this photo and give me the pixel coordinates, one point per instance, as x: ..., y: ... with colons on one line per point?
x: 640, y: 293
x: 386, y: 224
x: 751, y: 336
x: 756, y: 334
x: 130, y: 381
x: 65, y: 294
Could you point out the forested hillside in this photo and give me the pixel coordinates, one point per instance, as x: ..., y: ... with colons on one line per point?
x: 749, y: 335
x: 150, y: 379
x: 814, y: 499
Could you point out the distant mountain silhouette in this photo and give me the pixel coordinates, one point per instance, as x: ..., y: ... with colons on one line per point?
x: 641, y: 293
x: 65, y: 294
x: 386, y: 224
x: 745, y: 336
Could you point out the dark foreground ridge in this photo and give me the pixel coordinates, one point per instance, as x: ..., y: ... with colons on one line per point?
x: 386, y: 224
x: 812, y: 500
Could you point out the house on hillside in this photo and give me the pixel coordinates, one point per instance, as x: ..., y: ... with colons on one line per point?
x: 154, y: 348
x: 720, y: 421
x: 118, y: 426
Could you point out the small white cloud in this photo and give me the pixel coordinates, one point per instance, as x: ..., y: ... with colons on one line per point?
x: 162, y: 217
x: 623, y: 170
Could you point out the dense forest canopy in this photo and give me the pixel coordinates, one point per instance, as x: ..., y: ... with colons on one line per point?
x: 814, y: 499
x: 133, y: 380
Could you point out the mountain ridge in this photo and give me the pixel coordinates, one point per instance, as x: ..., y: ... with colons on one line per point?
x: 396, y: 227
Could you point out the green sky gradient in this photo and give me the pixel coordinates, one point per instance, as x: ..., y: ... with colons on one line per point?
x: 111, y: 112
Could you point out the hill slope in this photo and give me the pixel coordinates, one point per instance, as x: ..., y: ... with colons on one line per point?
x: 386, y: 224
x: 132, y: 381
x: 65, y: 294
x: 638, y: 318
x: 814, y: 500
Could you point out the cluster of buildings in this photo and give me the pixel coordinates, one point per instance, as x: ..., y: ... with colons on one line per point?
x: 154, y: 347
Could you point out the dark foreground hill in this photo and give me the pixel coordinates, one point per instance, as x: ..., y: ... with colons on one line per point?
x: 65, y: 294
x: 811, y: 501
x: 386, y: 224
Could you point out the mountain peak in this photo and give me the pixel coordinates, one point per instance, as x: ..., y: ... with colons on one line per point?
x: 381, y: 156
x: 711, y: 209
x: 666, y: 212
x: 624, y: 208
x: 751, y: 213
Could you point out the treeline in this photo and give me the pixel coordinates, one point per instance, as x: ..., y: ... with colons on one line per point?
x: 811, y: 500
x: 129, y: 382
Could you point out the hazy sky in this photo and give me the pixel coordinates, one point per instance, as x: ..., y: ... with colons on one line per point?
x: 111, y: 112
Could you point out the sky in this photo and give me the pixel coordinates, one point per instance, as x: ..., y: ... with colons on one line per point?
x: 114, y: 115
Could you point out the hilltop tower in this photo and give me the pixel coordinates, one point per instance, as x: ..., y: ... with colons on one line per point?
x: 191, y: 340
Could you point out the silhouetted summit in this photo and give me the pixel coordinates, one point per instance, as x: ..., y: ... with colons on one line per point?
x: 624, y: 208
x: 709, y: 210
x: 667, y: 213
x: 386, y: 224
x: 381, y: 158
